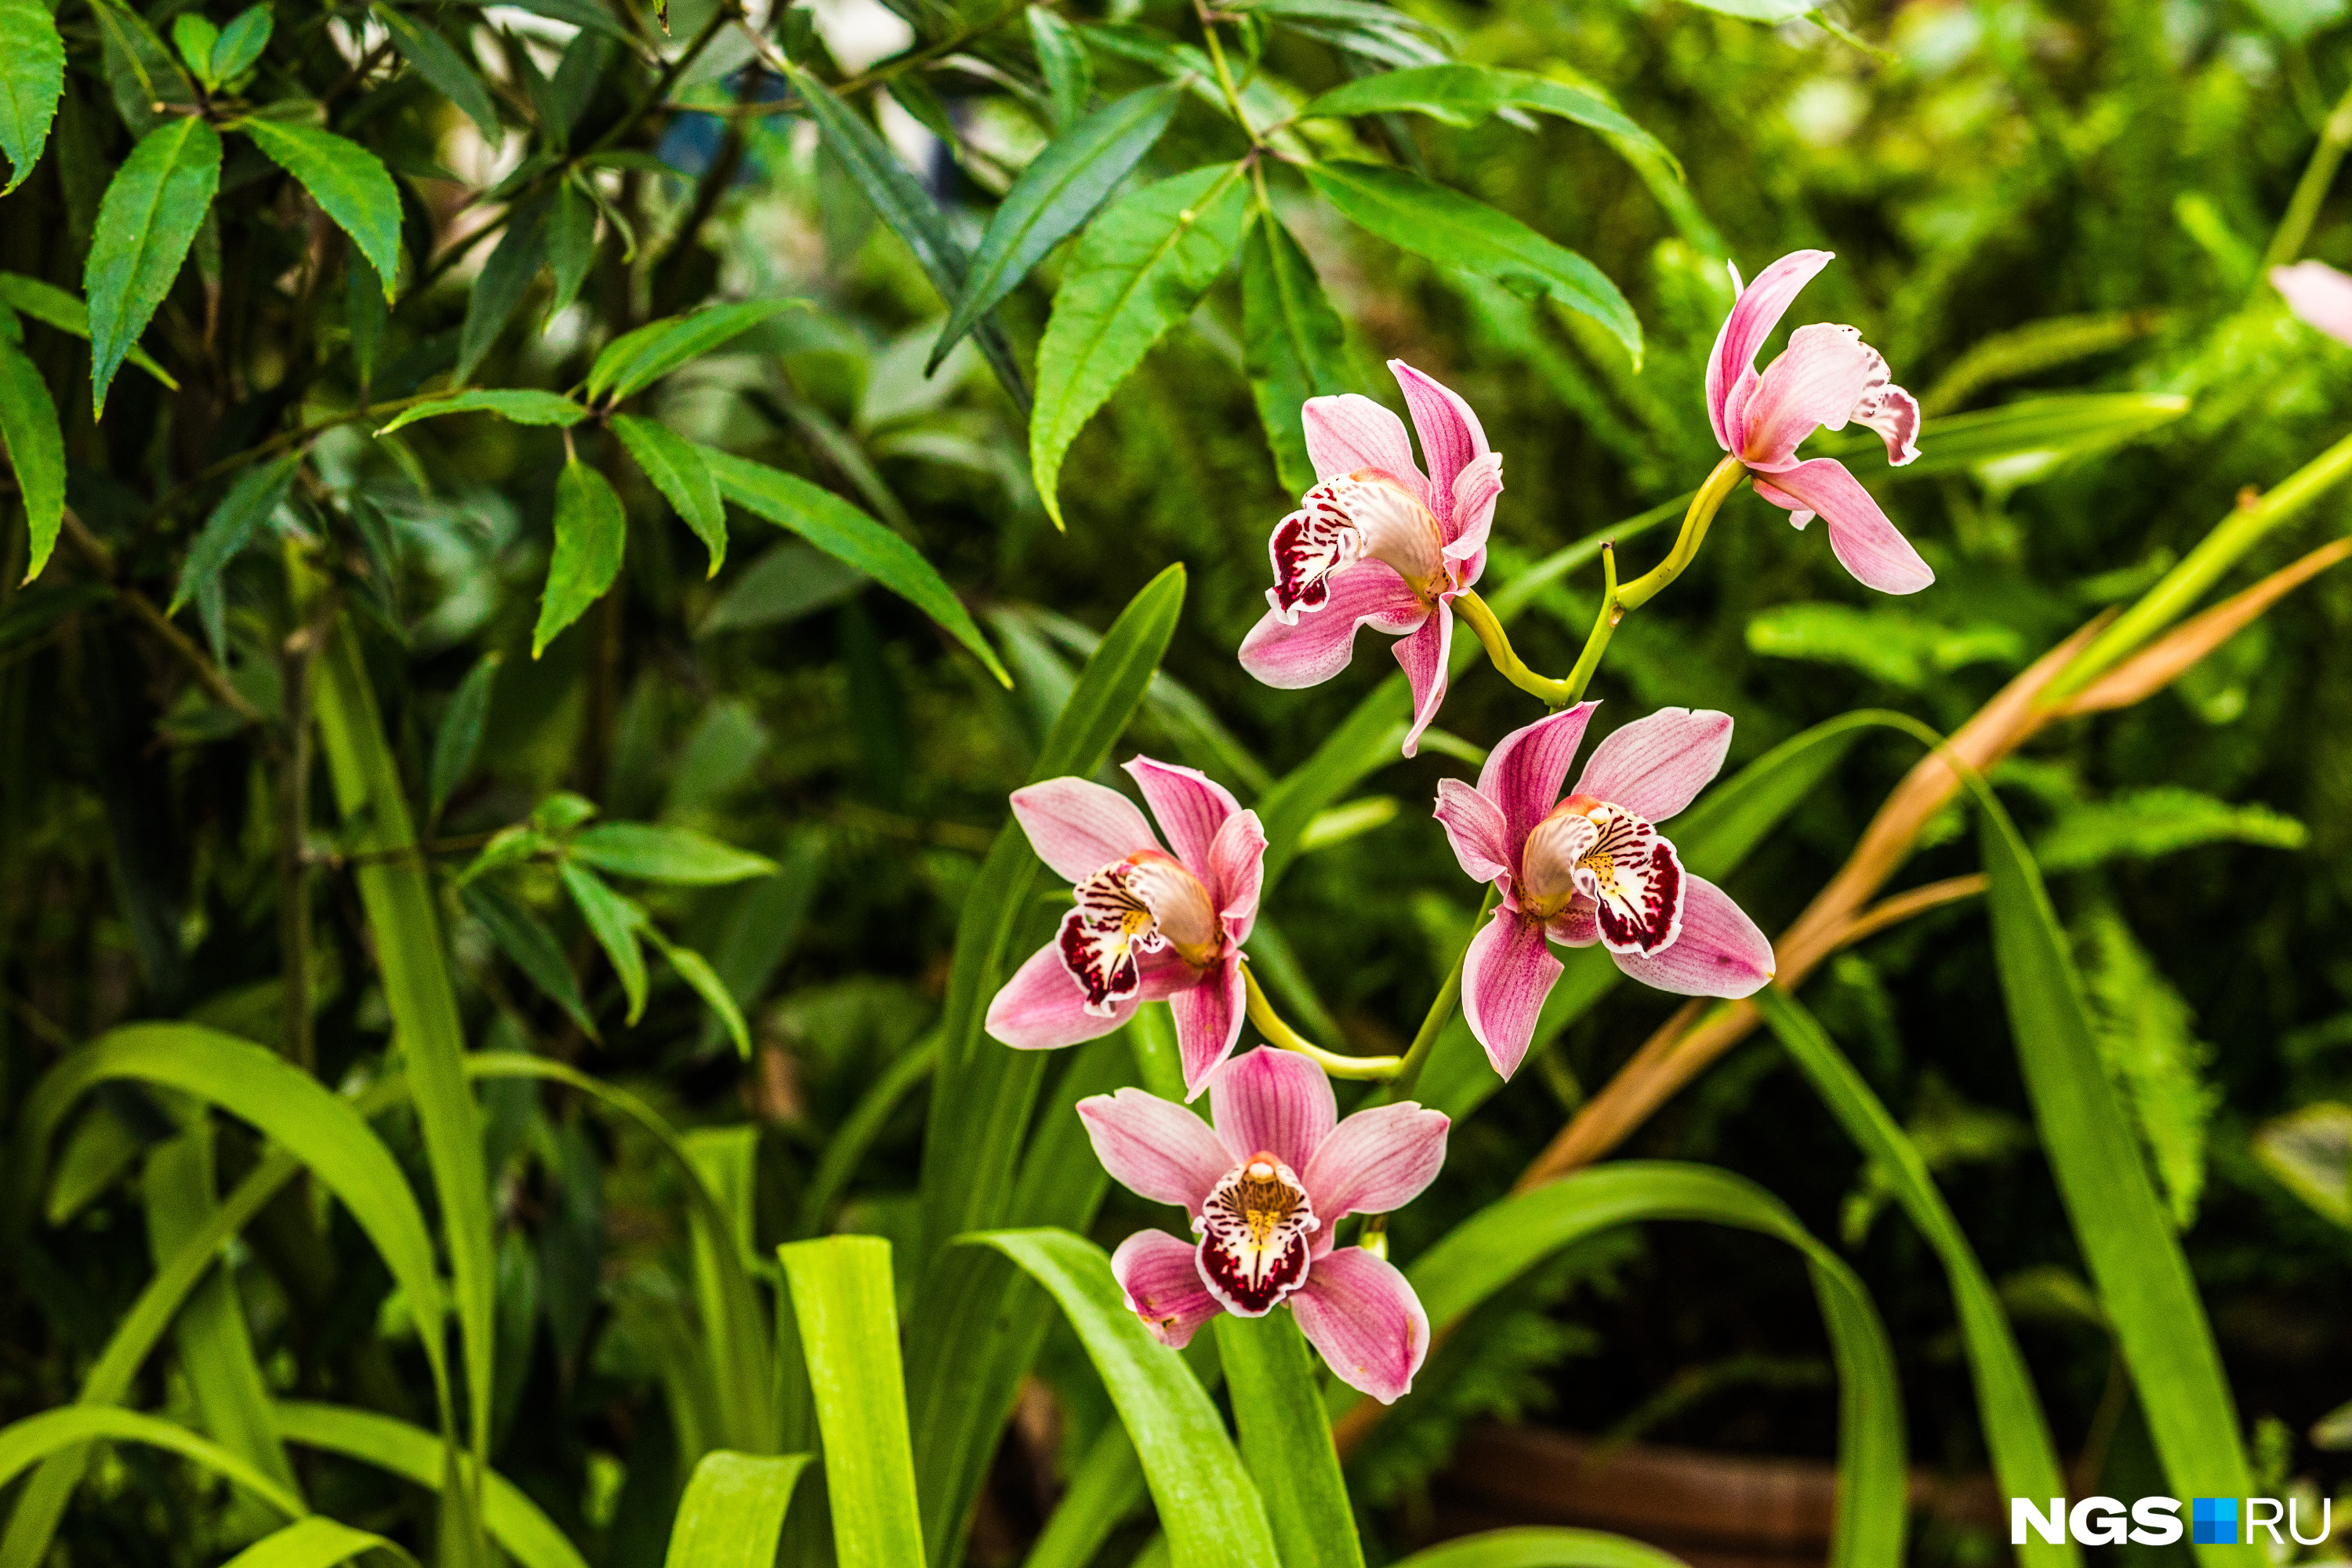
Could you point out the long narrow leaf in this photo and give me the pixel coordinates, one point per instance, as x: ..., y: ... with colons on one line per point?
x: 733, y: 1511
x: 1285, y: 1440
x: 314, y: 1543
x: 1536, y: 1546
x: 847, y: 1308
x: 28, y: 1442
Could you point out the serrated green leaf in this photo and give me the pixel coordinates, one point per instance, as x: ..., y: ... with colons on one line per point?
x: 2142, y: 824
x: 48, y: 303
x: 2148, y: 1038
x: 1062, y: 61
x: 523, y: 937
x: 590, y: 534
x: 37, y: 451
x: 516, y: 404
x: 505, y: 279
x: 240, y: 43
x: 437, y: 60
x: 1455, y: 230
x: 32, y: 81
x: 658, y: 853
x: 347, y: 181
x: 1294, y: 346
x: 614, y: 922
x: 1139, y: 270
x: 140, y: 73
x: 847, y: 1309
x: 678, y: 342
x: 733, y: 1514
x: 1463, y: 95
x: 460, y: 735
x: 247, y: 505
x: 848, y: 535
x: 677, y: 470
x: 1059, y: 190
x: 149, y: 218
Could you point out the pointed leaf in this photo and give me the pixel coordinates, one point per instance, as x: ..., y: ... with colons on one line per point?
x: 32, y: 79
x: 733, y: 1511
x: 663, y: 854
x: 516, y: 404
x: 570, y: 242
x: 146, y: 221
x: 25, y: 1443
x: 1293, y: 343
x: 678, y: 342
x: 505, y: 279
x: 847, y: 1309
x: 1139, y: 270
x: 240, y: 43
x: 347, y: 181
x: 1466, y: 94
x: 590, y: 532
x: 677, y: 470
x: 1456, y: 230
x: 614, y: 922
x: 696, y: 971
x: 523, y: 937
x: 460, y: 735
x: 37, y: 450
x: 247, y: 505
x: 436, y: 59
x: 48, y: 303
x: 1062, y: 61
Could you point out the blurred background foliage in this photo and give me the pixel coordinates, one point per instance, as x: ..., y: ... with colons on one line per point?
x: 2025, y: 198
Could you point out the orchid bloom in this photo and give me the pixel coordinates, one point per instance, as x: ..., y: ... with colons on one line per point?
x: 1377, y: 543
x: 1149, y: 926
x: 1825, y: 379
x: 2320, y: 297
x: 1593, y: 868
x: 1266, y: 1189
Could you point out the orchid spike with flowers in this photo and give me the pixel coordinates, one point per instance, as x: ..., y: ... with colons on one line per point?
x: 1149, y: 925
x: 1266, y: 1186
x: 1825, y: 379
x: 1377, y: 542
x: 2320, y: 297
x: 1593, y: 866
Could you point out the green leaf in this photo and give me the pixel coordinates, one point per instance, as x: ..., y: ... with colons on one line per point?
x: 1207, y: 1501
x: 460, y: 734
x: 696, y: 971
x: 2148, y: 1038
x: 2123, y: 1229
x: 790, y: 581
x: 2025, y: 1460
x: 517, y: 405
x: 653, y: 351
x: 1294, y: 346
x: 514, y: 1521
x: 571, y: 244
x: 25, y: 1443
x: 1891, y: 647
x: 247, y: 505
x: 2142, y: 824
x: 661, y: 854
x: 347, y: 181
x: 733, y: 1511
x: 2018, y: 443
x: 847, y: 1313
x: 614, y: 922
x: 146, y: 221
x: 1139, y: 270
x: 2310, y: 1153
x: 499, y: 291
x: 48, y: 303
x: 193, y: 36
x: 1542, y: 1546
x: 140, y: 73
x: 525, y: 939
x: 1766, y: 11
x: 677, y: 470
x: 851, y: 537
x: 37, y: 449
x: 32, y: 81
x: 437, y: 60
x: 1059, y: 190
x: 1062, y: 61
x: 1285, y: 1440
x: 1456, y: 230
x: 591, y: 533
x: 240, y: 43
x: 314, y: 1543
x: 1463, y: 95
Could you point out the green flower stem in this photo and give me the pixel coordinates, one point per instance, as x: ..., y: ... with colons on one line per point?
x: 1604, y: 626
x: 1498, y: 644
x: 1269, y: 1024
x: 2335, y: 139
x: 1703, y: 508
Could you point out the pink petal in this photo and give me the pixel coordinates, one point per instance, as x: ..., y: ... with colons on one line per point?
x: 2320, y: 297
x: 1189, y: 805
x: 1817, y: 380
x: 1868, y: 544
x: 1753, y: 316
x: 1376, y: 1161
x: 1364, y: 594
x: 1360, y: 1313
x: 1155, y: 1148
x: 1474, y: 826
x: 1207, y: 1014
x: 1450, y: 433
x: 1506, y: 976
x: 1424, y: 656
x: 1042, y: 1006
x: 1078, y: 827
x: 1578, y: 925
x: 1163, y: 1284
x: 1273, y: 1103
x: 1238, y: 872
x: 1720, y: 952
x: 1351, y: 432
x: 1524, y: 773
x: 1476, y: 490
x: 1656, y: 765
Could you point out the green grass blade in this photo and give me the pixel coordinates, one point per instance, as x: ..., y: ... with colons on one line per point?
x: 314, y: 1543
x: 847, y: 1308
x: 733, y: 1511
x: 1285, y: 1440
x: 25, y: 1443
x: 1539, y: 1546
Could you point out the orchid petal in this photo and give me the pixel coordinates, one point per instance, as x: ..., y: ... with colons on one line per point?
x: 1360, y: 1313
x: 1720, y: 952
x: 1753, y: 316
x: 1524, y: 773
x: 1189, y: 806
x: 1376, y: 1161
x: 1866, y: 542
x: 1474, y: 826
x: 1816, y: 382
x: 1424, y: 656
x: 1476, y: 490
x: 1042, y: 1007
x: 2320, y: 296
x: 1236, y: 872
x: 1656, y: 765
x: 1450, y: 433
x: 1208, y: 1014
x: 1350, y: 433
x: 1364, y: 594
x: 1154, y: 1147
x: 1273, y: 1103
x: 1505, y: 975
x: 1163, y: 1288
x: 1578, y: 925
x: 1078, y: 827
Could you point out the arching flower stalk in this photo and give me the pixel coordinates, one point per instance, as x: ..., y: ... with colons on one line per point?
x: 1149, y: 925
x: 1593, y: 866
x: 1265, y: 1190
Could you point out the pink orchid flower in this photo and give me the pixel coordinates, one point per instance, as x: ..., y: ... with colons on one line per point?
x: 1149, y: 926
x: 1825, y: 379
x: 1377, y: 543
x: 1265, y: 1190
x: 1593, y: 868
x: 2320, y: 297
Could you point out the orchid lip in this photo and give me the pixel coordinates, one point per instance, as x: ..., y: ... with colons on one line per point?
x: 1368, y: 514
x: 1148, y: 902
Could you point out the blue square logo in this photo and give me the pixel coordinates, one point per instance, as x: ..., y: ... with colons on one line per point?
x: 2216, y: 1521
